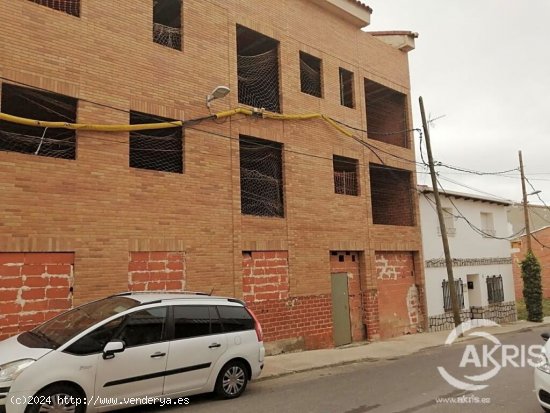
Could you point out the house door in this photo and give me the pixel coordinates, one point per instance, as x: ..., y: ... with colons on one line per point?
x: 341, y: 325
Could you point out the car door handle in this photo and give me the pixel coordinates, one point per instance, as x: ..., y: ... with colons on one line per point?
x: 157, y: 355
x: 214, y: 345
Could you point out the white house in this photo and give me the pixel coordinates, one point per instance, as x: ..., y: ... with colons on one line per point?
x: 477, y: 228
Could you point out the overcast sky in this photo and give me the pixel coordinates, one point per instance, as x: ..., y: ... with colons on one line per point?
x: 484, y: 67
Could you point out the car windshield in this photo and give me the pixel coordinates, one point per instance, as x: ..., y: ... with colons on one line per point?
x: 62, y: 328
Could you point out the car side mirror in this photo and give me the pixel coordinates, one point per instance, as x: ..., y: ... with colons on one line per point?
x: 113, y: 347
x: 545, y: 336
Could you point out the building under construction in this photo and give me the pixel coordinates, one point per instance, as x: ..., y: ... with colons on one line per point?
x: 312, y: 220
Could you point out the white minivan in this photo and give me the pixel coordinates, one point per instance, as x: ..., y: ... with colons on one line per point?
x: 132, y: 349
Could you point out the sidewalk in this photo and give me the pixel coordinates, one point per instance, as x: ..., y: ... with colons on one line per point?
x: 283, y: 364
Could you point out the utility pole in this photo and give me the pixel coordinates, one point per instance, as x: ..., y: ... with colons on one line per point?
x: 448, y: 261
x: 525, y: 210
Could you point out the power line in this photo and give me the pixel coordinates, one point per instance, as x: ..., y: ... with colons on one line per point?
x: 470, y: 224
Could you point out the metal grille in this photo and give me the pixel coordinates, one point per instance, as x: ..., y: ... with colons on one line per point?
x: 261, y: 177
x: 71, y: 7
x: 37, y: 104
x: 447, y: 305
x: 345, y: 175
x: 495, y: 290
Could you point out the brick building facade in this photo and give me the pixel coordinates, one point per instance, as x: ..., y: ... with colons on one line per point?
x: 280, y: 213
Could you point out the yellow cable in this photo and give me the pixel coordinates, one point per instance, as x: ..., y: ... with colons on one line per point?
x: 89, y: 127
x: 166, y: 125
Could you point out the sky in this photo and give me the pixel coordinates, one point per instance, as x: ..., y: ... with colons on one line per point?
x: 482, y: 68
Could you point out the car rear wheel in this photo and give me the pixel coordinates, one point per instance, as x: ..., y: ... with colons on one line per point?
x: 56, y: 399
x: 232, y: 380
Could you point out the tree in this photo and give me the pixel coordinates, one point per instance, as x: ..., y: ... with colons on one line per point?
x: 532, y: 287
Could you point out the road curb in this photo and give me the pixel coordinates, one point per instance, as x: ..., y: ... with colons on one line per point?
x: 523, y: 326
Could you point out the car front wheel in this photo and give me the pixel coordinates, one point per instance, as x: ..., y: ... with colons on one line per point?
x: 57, y: 398
x: 232, y: 380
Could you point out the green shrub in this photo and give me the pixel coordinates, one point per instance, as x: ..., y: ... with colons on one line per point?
x: 532, y: 287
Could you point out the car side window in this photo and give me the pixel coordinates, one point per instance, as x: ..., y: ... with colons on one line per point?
x: 235, y: 318
x: 215, y: 322
x: 94, y: 341
x: 144, y: 327
x: 191, y: 321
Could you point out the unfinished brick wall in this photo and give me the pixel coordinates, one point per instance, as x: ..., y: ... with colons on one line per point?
x: 156, y: 271
x: 265, y: 276
x: 398, y: 296
x: 266, y: 291
x: 34, y: 287
x: 542, y: 254
x: 101, y: 208
x: 348, y: 262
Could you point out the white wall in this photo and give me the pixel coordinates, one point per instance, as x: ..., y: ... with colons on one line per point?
x: 465, y: 244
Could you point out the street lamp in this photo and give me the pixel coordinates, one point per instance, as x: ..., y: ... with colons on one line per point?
x: 217, y: 93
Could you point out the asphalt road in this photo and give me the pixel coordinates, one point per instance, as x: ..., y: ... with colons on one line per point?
x: 406, y: 385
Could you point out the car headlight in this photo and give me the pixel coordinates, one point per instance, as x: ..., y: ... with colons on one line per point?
x: 10, y: 371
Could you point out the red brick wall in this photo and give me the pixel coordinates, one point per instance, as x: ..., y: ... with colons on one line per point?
x: 542, y: 254
x: 265, y: 276
x: 266, y: 291
x: 156, y: 271
x: 398, y: 298
x: 34, y: 287
x: 350, y: 265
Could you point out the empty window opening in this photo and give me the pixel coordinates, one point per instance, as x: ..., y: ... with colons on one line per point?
x: 346, y: 88
x: 167, y: 28
x: 310, y: 74
x: 386, y: 114
x: 447, y: 304
x: 71, y: 7
x: 258, y: 69
x: 346, y: 180
x: 261, y: 177
x: 495, y: 290
x: 391, y: 196
x: 156, y: 149
x: 40, y: 105
x: 341, y: 258
x: 487, y: 225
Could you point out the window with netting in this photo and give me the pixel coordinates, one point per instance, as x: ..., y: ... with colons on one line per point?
x: 310, y: 74
x: 261, y: 167
x: 167, y: 27
x: 495, y: 289
x: 37, y: 104
x: 391, y: 196
x: 71, y: 7
x: 258, y: 69
x: 156, y: 149
x: 386, y: 114
x: 346, y: 175
x: 447, y: 304
x: 346, y: 88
